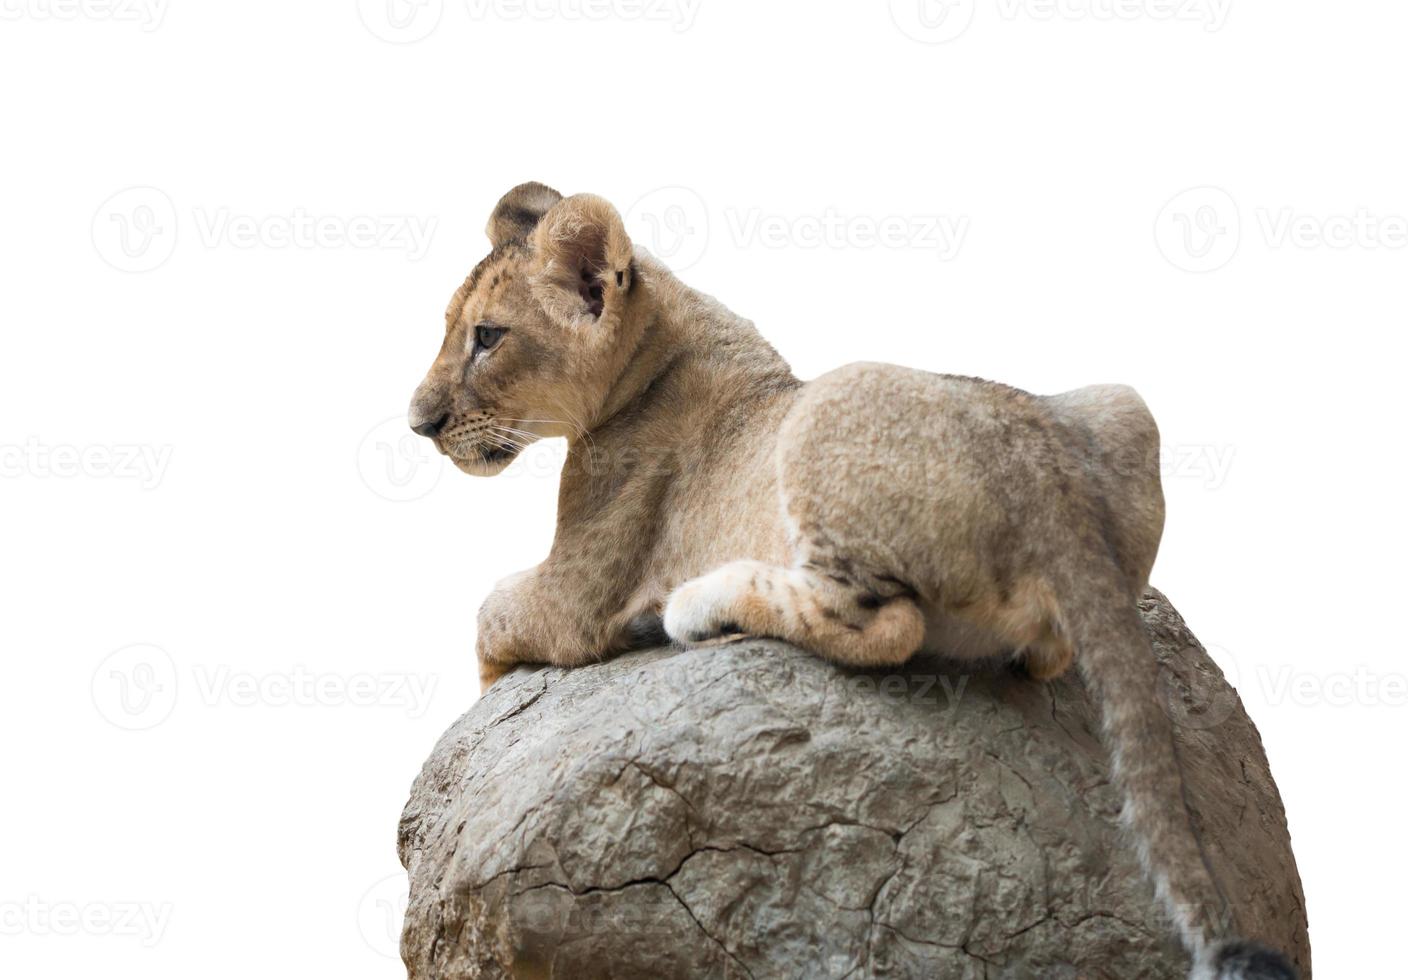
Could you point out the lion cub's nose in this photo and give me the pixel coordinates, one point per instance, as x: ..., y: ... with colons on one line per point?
x: 430, y: 429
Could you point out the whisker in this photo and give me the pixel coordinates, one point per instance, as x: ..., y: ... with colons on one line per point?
x: 569, y: 425
x: 571, y: 422
x: 517, y: 437
x: 512, y: 438
x: 532, y: 436
x: 581, y: 429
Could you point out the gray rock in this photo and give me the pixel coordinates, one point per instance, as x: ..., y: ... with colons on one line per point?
x: 749, y: 810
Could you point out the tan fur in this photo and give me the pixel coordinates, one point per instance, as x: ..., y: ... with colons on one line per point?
x: 864, y: 515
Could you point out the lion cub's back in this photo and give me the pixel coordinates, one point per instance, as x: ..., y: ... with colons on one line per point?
x: 890, y: 461
x: 897, y: 454
x: 898, y: 423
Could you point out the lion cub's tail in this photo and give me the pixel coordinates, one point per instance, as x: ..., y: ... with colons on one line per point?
x: 1120, y: 669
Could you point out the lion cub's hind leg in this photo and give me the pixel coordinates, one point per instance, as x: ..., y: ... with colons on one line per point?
x: 1026, y: 618
x: 827, y: 613
x: 1047, y: 658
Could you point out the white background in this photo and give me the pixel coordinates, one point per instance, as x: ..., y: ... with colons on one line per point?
x: 280, y: 543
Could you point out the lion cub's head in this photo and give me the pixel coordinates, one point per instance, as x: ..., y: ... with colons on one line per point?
x: 534, y: 337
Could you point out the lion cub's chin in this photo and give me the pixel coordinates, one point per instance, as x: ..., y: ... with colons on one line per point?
x: 478, y: 466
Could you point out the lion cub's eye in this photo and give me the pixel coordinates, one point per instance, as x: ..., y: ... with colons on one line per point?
x: 487, y: 337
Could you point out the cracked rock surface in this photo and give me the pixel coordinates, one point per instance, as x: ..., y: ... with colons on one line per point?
x: 748, y: 810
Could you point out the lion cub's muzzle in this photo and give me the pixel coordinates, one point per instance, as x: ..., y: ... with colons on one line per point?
x: 475, y: 441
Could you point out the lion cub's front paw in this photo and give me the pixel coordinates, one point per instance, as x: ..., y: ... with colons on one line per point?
x: 708, y: 607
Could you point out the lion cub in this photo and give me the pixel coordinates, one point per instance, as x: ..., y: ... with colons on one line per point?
x: 865, y: 515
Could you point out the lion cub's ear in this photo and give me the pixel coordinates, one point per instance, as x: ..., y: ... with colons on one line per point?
x: 519, y: 211
x: 583, y: 261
